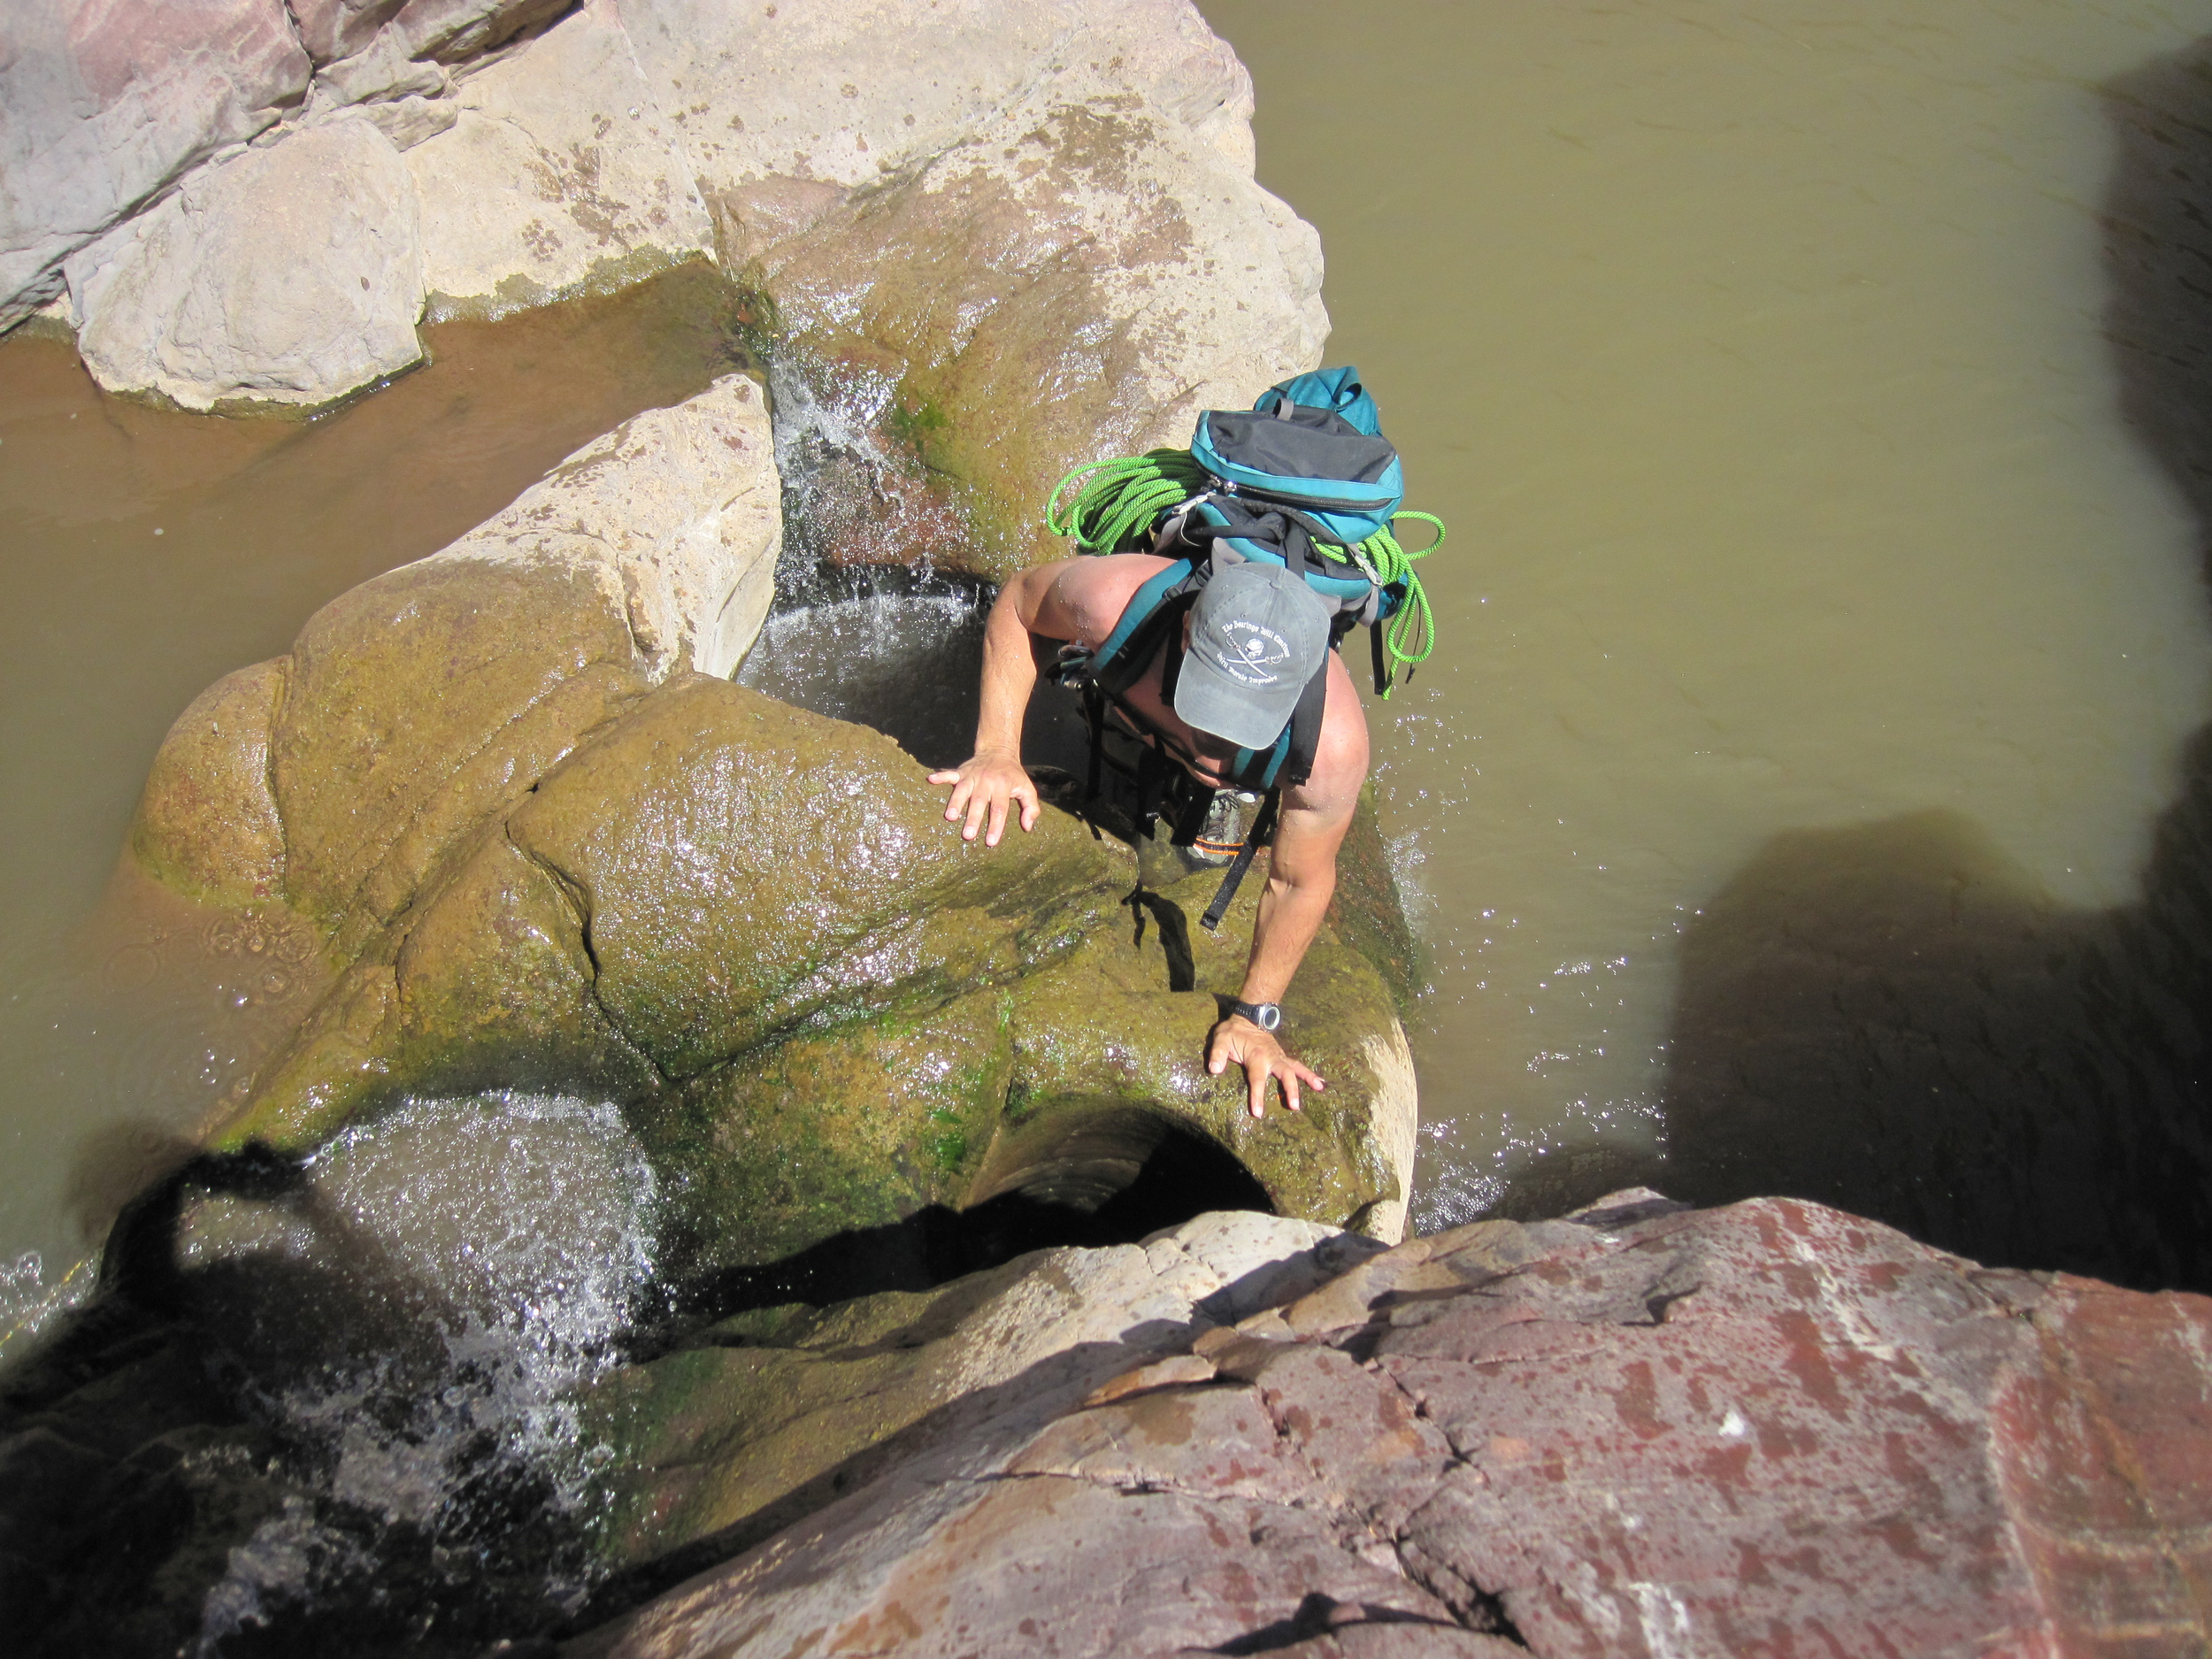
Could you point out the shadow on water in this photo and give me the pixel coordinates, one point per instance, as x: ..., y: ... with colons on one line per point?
x: 1893, y: 1018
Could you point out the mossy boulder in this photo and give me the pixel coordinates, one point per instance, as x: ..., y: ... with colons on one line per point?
x: 207, y: 825
x: 415, y: 707
x: 821, y: 1008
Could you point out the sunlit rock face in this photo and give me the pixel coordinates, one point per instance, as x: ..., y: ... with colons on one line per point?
x: 755, y: 1420
x: 502, y: 153
x: 1635, y: 1430
x: 273, y: 279
x: 101, y: 107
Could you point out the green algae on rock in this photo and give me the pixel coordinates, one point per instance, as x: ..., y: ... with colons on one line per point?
x: 821, y: 1008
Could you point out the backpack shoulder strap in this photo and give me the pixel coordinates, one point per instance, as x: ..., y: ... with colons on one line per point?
x: 1123, y: 654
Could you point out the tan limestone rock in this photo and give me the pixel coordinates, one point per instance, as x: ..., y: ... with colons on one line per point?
x: 290, y: 276
x: 559, y: 174
x: 850, y: 91
x: 102, y: 106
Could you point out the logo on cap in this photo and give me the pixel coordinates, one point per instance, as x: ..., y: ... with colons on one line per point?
x: 1248, y: 651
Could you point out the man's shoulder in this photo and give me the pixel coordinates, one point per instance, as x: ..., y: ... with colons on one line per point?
x: 1095, y: 590
x: 1112, y: 572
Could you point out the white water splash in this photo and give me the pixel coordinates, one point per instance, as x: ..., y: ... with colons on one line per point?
x: 514, y: 1235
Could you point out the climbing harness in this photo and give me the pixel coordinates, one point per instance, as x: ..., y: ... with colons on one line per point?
x: 1304, y: 480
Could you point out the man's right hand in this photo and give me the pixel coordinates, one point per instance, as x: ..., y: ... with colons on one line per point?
x: 983, y: 789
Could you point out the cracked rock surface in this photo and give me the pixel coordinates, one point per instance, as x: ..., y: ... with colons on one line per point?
x: 1768, y: 1429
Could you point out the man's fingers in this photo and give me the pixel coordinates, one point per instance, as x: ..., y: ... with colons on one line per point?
x: 1027, y: 797
x: 997, y: 821
x: 1288, y: 1078
x: 944, y: 777
x: 978, y: 806
x: 1256, y: 1085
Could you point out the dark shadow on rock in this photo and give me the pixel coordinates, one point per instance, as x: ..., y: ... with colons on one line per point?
x: 1184, y: 1175
x: 158, y: 1472
x: 1893, y: 1018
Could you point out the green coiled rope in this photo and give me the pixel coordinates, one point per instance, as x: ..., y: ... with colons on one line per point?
x: 1386, y: 562
x: 1119, y: 501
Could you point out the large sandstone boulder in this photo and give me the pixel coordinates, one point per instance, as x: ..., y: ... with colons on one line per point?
x: 849, y: 92
x: 1139, y: 276
x: 548, y: 847
x: 1075, y: 281
x: 290, y: 276
x: 1769, y: 1428
x: 822, y: 1009
x: 102, y: 105
x: 419, y: 705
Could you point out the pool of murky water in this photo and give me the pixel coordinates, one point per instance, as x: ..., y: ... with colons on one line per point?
x: 147, y: 553
x: 1807, y: 793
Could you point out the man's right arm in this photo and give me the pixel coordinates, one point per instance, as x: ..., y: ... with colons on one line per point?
x: 990, y: 783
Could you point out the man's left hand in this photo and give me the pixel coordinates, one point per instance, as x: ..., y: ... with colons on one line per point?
x: 1238, y: 1039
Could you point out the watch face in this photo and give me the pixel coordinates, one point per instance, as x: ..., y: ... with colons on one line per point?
x: 1267, y: 1016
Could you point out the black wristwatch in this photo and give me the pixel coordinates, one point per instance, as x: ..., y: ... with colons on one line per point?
x: 1266, y: 1016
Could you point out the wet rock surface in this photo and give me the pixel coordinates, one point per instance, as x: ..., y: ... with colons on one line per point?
x: 1769, y: 1428
x: 1075, y: 281
x: 822, y: 1009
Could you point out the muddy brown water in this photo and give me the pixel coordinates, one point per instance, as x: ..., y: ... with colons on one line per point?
x: 147, y: 553
x: 1806, y: 792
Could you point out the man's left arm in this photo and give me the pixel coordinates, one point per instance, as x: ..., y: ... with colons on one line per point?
x: 1301, y: 880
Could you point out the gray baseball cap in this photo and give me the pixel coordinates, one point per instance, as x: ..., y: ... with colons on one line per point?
x: 1257, y: 634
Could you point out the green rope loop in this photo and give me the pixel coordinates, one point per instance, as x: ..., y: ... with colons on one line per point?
x: 1119, y: 499
x: 1409, y: 637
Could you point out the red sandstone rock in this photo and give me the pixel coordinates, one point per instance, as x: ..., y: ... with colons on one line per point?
x: 1771, y: 1428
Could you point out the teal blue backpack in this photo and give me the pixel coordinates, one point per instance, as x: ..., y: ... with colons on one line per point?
x: 1304, y: 479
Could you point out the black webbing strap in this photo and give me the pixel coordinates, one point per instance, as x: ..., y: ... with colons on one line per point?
x: 1306, y: 720
x: 1095, y: 720
x: 1262, y: 827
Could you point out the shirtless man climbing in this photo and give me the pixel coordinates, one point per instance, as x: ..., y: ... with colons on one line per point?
x: 1251, y: 641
